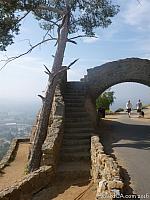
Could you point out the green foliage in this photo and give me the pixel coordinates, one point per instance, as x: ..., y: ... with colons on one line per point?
x: 119, y: 110
x: 8, y: 24
x: 105, y: 100
x: 85, y: 15
x: 26, y: 170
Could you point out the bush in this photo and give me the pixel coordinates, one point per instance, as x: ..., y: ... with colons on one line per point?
x: 119, y: 110
x: 105, y: 100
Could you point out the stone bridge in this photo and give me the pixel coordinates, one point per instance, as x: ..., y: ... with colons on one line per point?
x: 102, y: 77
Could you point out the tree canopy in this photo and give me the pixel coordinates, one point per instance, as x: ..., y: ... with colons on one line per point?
x: 105, y: 100
x: 84, y: 16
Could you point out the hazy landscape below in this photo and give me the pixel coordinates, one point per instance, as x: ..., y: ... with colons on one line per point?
x: 16, y: 121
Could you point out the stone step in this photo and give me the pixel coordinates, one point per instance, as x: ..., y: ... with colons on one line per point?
x: 65, y: 156
x: 78, y: 130
x: 74, y: 104
x: 76, y: 148
x: 75, y: 84
x: 77, y: 136
x: 75, y: 114
x: 72, y: 92
x: 74, y: 169
x: 74, y: 96
x: 74, y: 109
x: 74, y: 100
x: 80, y: 119
x: 80, y: 124
x: 70, y: 142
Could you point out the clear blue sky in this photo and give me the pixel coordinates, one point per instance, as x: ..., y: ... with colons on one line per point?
x: 128, y: 36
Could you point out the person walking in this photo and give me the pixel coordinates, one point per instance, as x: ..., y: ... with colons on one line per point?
x: 139, y: 107
x: 129, y: 108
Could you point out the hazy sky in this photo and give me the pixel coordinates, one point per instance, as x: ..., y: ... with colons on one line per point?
x: 128, y: 36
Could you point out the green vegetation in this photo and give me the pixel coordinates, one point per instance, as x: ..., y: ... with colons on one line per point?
x: 119, y: 110
x: 26, y: 170
x: 105, y: 100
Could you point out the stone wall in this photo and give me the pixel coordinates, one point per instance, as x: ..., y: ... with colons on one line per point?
x: 105, y: 172
x: 54, y: 137
x: 11, y: 153
x: 29, y: 185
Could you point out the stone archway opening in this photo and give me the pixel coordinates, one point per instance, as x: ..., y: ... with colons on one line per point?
x: 129, y: 90
x: 114, y: 99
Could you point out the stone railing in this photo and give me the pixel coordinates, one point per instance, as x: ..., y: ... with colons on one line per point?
x: 32, y: 183
x: 10, y: 155
x: 105, y: 172
x: 54, y: 137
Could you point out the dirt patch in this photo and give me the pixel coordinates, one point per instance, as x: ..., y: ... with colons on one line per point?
x: 78, y: 189
x: 16, y: 169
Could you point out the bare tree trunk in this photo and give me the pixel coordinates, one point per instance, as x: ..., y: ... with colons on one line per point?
x: 36, y: 152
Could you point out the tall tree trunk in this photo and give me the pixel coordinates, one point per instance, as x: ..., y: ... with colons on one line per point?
x: 36, y: 152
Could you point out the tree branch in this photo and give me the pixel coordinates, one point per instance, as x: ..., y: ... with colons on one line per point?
x: 44, y: 18
x: 65, y: 68
x: 48, y: 72
x: 79, y: 36
x: 43, y: 98
x: 25, y: 53
x: 23, y: 17
x: 72, y: 41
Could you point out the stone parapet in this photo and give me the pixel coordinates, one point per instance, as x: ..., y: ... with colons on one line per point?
x: 105, y: 172
x: 29, y: 185
x: 54, y: 137
x: 10, y: 155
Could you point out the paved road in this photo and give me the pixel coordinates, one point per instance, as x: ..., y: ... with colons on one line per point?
x: 129, y: 140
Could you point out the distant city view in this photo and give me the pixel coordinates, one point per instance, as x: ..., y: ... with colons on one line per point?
x: 15, y: 122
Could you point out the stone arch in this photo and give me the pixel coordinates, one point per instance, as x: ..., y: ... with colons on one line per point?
x: 102, y: 77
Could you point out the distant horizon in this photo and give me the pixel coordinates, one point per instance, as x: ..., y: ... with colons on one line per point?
x: 123, y: 92
x: 15, y: 106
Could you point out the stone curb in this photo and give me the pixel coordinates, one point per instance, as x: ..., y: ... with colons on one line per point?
x: 105, y: 172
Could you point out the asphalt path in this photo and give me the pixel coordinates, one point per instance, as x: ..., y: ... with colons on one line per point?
x: 128, y: 139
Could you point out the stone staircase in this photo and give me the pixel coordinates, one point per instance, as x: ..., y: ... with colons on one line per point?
x: 75, y: 151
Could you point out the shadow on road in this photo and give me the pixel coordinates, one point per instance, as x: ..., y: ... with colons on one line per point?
x: 137, y: 135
